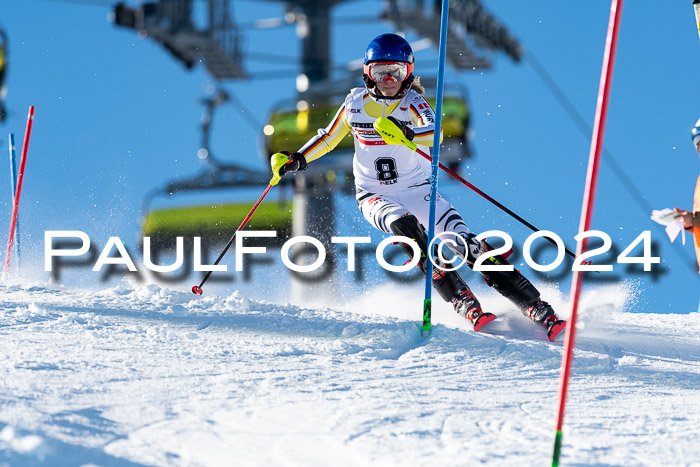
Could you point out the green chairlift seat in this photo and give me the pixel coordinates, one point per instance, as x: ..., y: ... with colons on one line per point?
x: 216, y: 223
x: 292, y: 128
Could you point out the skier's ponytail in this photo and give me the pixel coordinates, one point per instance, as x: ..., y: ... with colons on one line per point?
x: 416, y: 86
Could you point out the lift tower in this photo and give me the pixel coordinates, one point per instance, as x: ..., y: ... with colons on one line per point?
x: 171, y: 23
x: 313, y: 212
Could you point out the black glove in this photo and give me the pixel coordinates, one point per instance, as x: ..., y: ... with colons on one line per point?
x: 298, y: 162
x: 407, y: 132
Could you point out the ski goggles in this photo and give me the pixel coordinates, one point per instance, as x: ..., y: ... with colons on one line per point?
x: 388, y: 71
x: 695, y: 132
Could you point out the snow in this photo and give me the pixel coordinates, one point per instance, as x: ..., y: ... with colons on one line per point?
x: 143, y: 375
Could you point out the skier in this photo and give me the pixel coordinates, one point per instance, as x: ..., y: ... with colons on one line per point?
x: 691, y: 220
x: 392, y: 181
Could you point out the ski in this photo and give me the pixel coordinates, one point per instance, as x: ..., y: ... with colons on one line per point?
x: 483, y: 320
x: 555, y: 329
x: 480, y: 319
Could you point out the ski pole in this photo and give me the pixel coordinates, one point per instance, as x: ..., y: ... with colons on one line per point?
x: 198, y: 289
x: 13, y: 186
x: 18, y: 192
x: 493, y: 201
x: 392, y: 135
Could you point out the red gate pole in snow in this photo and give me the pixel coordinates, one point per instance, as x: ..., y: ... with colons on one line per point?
x: 18, y: 191
x: 587, y: 211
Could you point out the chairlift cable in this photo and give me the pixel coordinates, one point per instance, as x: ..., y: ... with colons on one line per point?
x: 581, y: 124
x: 247, y: 115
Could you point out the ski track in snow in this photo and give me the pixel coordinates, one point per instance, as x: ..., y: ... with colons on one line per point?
x: 141, y: 375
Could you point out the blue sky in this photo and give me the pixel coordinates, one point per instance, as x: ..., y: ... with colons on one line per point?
x: 117, y: 116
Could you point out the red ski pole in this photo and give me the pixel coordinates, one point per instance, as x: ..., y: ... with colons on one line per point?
x: 18, y: 192
x: 393, y: 135
x: 587, y: 212
x: 198, y: 289
x: 491, y: 200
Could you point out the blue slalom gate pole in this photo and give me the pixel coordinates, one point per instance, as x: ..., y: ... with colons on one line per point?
x: 427, y: 302
x: 13, y: 186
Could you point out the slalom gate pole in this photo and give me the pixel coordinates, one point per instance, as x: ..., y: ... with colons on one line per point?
x: 587, y: 212
x: 198, y: 289
x: 13, y: 166
x: 427, y: 302
x: 13, y: 187
x: 493, y: 201
x: 18, y: 191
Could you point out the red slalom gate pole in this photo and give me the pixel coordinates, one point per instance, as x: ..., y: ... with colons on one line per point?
x: 587, y: 212
x: 18, y: 192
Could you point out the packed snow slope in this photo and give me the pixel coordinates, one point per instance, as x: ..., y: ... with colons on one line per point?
x: 134, y: 375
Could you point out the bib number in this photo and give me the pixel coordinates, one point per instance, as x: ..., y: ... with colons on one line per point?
x: 386, y: 169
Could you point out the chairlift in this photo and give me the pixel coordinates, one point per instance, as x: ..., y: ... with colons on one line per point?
x: 213, y: 222
x: 294, y: 122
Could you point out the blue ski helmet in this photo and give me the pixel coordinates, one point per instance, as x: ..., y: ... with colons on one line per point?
x: 388, y: 48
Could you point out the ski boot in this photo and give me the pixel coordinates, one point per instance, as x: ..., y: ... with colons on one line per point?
x: 466, y: 304
x: 541, y: 312
x: 447, y: 283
